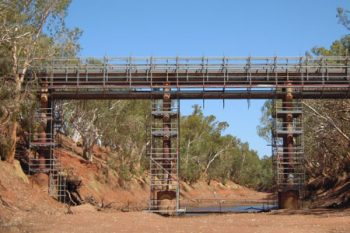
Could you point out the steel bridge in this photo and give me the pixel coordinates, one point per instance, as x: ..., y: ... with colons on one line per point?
x: 195, y: 77
x: 166, y: 80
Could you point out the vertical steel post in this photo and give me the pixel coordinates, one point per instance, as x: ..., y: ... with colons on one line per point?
x: 178, y: 157
x: 167, y: 135
x: 44, y: 129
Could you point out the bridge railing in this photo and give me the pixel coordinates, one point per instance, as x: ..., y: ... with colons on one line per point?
x: 193, y: 64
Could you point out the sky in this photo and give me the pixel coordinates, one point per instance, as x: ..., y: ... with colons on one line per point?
x: 209, y: 28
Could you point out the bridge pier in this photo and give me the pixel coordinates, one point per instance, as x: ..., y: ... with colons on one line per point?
x: 288, y: 151
x: 42, y: 141
x: 40, y: 136
x: 164, y: 196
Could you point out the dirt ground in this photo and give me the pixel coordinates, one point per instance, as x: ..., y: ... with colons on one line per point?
x: 26, y: 207
x: 85, y: 221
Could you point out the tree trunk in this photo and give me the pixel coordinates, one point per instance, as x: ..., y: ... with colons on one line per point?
x: 14, y: 124
x: 13, y: 141
x: 87, y: 151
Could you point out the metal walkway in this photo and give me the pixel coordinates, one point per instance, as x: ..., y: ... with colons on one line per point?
x: 194, y: 77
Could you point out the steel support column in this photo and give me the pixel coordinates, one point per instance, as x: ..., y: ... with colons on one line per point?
x: 167, y: 136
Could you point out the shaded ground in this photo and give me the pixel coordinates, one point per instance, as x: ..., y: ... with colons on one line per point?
x: 134, y: 222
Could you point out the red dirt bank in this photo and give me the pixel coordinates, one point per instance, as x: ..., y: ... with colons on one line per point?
x: 26, y: 207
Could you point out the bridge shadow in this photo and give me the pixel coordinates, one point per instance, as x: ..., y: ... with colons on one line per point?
x: 321, y: 212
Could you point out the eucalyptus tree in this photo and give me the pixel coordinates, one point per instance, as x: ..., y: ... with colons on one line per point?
x: 29, y: 29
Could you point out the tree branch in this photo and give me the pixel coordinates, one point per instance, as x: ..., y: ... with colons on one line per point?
x: 329, y: 120
x: 215, y: 156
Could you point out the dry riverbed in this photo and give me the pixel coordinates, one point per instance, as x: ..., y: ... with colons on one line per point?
x: 88, y: 220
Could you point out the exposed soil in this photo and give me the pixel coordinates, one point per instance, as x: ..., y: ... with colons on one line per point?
x: 19, y: 195
x: 101, y: 184
x: 135, y: 222
x: 110, y: 205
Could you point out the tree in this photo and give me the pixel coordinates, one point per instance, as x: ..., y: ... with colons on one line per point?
x: 339, y: 47
x: 201, y: 143
x: 82, y: 116
x: 22, y: 39
x: 327, y: 122
x: 265, y: 127
x: 206, y: 153
x: 342, y: 15
x: 119, y: 125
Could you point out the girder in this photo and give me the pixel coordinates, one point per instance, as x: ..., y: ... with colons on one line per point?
x: 196, y: 94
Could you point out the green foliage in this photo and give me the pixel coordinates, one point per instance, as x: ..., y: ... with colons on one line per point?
x: 326, y: 137
x: 118, y: 125
x: 22, y: 41
x: 190, y: 172
x: 327, y: 129
x: 265, y: 127
x: 124, y: 173
x: 205, y: 152
x: 266, y: 176
x: 338, y: 48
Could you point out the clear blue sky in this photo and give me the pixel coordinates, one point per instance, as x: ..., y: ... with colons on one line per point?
x: 208, y: 28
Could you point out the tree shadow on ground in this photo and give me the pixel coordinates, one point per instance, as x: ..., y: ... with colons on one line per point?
x: 324, y: 212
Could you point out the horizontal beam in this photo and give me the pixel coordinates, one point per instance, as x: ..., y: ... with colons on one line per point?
x: 237, y: 94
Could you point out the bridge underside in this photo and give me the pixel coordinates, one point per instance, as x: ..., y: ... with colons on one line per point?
x: 340, y: 93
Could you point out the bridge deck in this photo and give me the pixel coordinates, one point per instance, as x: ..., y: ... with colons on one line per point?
x: 194, y: 77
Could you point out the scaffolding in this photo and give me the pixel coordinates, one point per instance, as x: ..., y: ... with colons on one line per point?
x: 164, y: 174
x: 43, y: 141
x: 288, y: 146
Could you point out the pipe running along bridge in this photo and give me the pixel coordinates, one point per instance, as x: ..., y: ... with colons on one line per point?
x: 166, y: 80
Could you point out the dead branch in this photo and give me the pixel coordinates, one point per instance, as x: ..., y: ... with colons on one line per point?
x: 214, y: 157
x: 329, y: 120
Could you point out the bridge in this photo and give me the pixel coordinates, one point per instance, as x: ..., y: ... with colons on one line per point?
x: 166, y: 80
x: 195, y: 77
